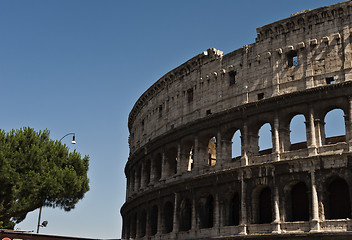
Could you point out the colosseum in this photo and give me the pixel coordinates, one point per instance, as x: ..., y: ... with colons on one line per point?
x: 185, y: 181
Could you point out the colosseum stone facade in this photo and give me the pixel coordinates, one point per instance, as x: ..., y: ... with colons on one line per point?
x: 184, y: 182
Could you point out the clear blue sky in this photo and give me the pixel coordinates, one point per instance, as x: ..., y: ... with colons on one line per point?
x: 79, y: 66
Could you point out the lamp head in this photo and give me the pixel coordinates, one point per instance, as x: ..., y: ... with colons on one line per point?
x: 73, y: 139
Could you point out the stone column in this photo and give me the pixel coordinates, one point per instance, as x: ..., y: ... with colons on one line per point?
x: 194, y: 214
x: 163, y: 165
x: 196, y: 155
x: 226, y: 149
x: 160, y: 220
x: 142, y: 185
x: 310, y: 130
x: 244, y: 143
x: 180, y: 160
x: 314, y: 223
x: 217, y: 211
x: 147, y: 224
x: 175, y: 221
x: 348, y: 124
x: 276, y: 222
x: 243, y: 221
x: 219, y: 155
x: 284, y: 134
x: 275, y: 138
x: 319, y: 132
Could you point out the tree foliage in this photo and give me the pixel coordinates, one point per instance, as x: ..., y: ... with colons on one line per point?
x: 36, y: 171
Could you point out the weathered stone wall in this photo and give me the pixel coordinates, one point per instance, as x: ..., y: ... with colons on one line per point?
x: 182, y: 181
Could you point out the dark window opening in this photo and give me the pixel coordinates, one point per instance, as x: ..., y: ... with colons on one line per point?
x: 190, y: 95
x: 143, y: 224
x: 300, y: 202
x: 208, y: 112
x: 292, y: 59
x: 168, y: 217
x: 260, y: 96
x: 329, y: 80
x: 186, y: 215
x: 233, y: 78
x: 265, y: 206
x: 207, y: 213
x: 160, y: 110
x: 154, y: 221
x: 234, y: 210
x: 339, y: 200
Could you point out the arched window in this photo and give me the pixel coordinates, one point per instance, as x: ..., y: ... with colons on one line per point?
x: 147, y: 170
x: 157, y: 166
x: 142, y: 223
x: 265, y: 206
x: 185, y: 215
x: 207, y: 212
x: 236, y: 144
x: 265, y: 139
x: 212, y: 152
x: 234, y: 210
x: 299, y: 202
x: 171, y: 161
x: 298, y: 136
x: 339, y: 200
x: 134, y: 225
x: 334, y: 126
x: 154, y: 221
x: 168, y: 217
x: 138, y: 177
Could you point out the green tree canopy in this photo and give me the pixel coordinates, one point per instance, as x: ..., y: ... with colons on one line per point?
x: 36, y: 171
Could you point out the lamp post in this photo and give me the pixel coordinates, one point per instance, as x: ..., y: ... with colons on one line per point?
x: 44, y: 223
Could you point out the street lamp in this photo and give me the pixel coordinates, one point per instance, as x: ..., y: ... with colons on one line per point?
x: 45, y: 223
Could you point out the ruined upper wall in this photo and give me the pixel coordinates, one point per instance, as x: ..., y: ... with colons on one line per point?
x: 307, y: 50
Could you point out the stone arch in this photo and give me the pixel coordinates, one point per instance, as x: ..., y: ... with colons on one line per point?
x: 157, y: 166
x: 187, y: 155
x: 212, y: 151
x: 232, y: 211
x: 299, y: 202
x: 171, y: 161
x: 133, y: 232
x: 185, y: 215
x: 142, y: 223
x: 168, y: 213
x: 262, y: 205
x: 138, y: 177
x: 147, y: 171
x: 339, y: 203
x: 298, y: 133
x: 206, y: 211
x: 236, y: 150
x: 154, y: 220
x: 265, y: 139
x: 334, y: 126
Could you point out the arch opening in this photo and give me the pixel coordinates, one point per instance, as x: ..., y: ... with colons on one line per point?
x: 339, y: 199
x: 265, y: 142
x: 233, y: 210
x: 212, y: 152
x: 168, y: 217
x: 265, y: 206
x: 334, y: 126
x: 236, y: 145
x: 299, y: 202
x: 298, y: 136
x: 207, y: 212
x: 154, y: 220
x: 186, y: 215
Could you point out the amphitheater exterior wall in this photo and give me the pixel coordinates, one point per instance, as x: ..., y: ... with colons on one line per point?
x: 184, y: 183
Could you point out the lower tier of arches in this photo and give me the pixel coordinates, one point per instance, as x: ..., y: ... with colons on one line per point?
x: 296, y: 196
